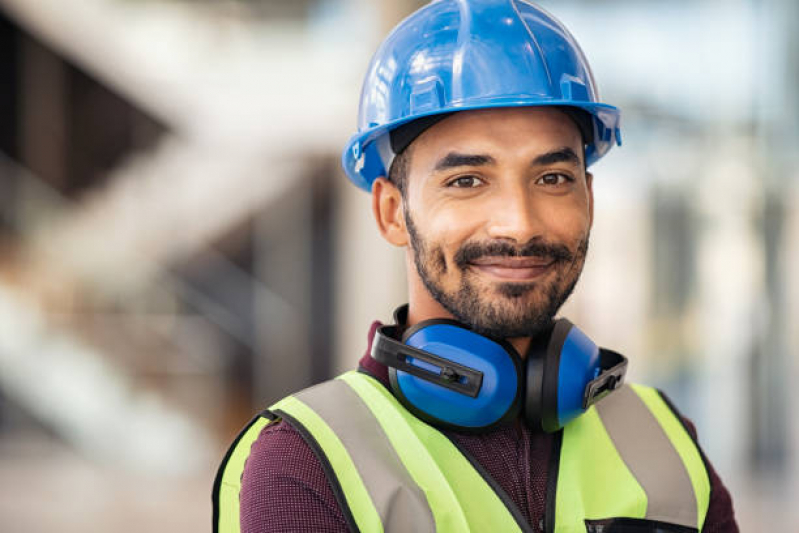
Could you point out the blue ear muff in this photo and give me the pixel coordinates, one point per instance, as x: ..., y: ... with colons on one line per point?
x: 559, y: 366
x: 497, y: 400
x: 454, y: 378
x: 566, y: 373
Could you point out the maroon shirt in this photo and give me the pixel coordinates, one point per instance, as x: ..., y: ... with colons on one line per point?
x: 284, y: 488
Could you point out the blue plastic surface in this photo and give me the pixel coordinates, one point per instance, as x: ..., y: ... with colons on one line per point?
x: 492, y: 402
x: 471, y: 54
x: 579, y: 364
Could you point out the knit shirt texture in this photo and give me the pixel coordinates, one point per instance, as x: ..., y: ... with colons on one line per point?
x: 284, y: 487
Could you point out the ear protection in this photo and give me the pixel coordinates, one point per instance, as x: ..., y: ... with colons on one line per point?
x: 454, y: 378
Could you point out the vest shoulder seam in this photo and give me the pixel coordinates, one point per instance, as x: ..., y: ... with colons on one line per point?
x: 324, y: 462
x: 693, y: 435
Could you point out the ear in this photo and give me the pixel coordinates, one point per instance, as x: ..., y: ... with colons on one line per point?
x: 388, y: 213
x: 589, y: 183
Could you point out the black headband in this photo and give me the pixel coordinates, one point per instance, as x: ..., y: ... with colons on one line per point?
x: 407, y: 133
x: 404, y: 135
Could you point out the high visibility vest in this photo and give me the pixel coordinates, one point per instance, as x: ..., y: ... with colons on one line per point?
x: 627, y: 464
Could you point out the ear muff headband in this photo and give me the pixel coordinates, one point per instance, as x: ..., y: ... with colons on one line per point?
x: 425, y: 365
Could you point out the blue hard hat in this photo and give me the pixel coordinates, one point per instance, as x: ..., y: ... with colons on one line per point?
x: 455, y: 55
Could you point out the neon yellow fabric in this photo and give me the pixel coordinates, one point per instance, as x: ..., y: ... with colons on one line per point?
x: 230, y: 486
x: 684, y: 445
x: 358, y: 499
x: 459, y: 497
x: 593, y: 481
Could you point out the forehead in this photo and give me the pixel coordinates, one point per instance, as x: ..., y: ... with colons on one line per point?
x: 518, y: 132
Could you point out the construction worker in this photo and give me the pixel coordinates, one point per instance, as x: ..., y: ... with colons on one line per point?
x: 477, y: 410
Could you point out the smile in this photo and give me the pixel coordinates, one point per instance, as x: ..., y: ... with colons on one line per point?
x: 512, y: 268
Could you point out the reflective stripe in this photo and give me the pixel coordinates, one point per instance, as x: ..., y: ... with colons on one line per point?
x: 459, y: 497
x: 630, y: 457
x: 357, y: 497
x: 226, y: 493
x: 685, y: 446
x: 399, y: 502
x: 657, y: 466
x: 593, y: 481
x: 395, y: 472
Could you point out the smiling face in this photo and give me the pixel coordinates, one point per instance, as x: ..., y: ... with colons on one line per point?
x: 496, y: 215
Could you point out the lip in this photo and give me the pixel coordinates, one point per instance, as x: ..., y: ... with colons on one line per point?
x: 512, y: 268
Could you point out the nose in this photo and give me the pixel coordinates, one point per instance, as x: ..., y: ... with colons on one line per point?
x: 515, y: 217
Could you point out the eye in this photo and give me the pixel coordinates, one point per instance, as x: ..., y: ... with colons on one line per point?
x: 465, y: 182
x: 554, y: 179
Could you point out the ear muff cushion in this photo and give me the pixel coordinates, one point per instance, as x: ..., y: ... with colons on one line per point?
x: 536, y: 369
x: 499, y: 397
x: 550, y: 419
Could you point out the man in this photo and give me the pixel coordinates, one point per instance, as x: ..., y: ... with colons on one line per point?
x: 477, y: 410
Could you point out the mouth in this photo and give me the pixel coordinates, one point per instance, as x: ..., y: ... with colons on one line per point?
x: 512, y: 269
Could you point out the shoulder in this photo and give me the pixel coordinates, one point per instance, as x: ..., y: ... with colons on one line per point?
x: 284, y: 487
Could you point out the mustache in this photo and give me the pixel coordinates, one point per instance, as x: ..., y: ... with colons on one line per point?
x: 535, y: 248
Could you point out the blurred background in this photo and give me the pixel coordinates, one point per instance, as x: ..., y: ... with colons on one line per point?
x: 179, y: 246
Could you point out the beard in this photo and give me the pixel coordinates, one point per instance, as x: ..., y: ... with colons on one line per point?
x: 501, y: 310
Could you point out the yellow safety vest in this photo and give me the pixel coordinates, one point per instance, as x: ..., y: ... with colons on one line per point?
x: 627, y: 464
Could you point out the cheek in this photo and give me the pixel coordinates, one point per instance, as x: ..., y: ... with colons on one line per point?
x: 566, y: 221
x: 448, y: 231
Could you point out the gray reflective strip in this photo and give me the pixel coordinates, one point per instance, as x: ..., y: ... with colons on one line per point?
x: 399, y: 501
x: 657, y: 466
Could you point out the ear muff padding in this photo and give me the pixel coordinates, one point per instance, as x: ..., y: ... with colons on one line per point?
x: 550, y: 414
x: 541, y: 369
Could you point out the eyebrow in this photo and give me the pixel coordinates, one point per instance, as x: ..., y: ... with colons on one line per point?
x: 561, y: 155
x: 454, y: 160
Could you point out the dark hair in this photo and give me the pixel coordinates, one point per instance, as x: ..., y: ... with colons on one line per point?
x: 398, y: 172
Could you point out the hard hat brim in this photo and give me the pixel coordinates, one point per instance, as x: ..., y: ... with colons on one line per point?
x: 363, y: 162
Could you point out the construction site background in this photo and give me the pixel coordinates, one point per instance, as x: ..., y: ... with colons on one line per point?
x: 179, y: 246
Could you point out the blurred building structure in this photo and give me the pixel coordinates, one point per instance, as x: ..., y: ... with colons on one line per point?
x: 180, y: 247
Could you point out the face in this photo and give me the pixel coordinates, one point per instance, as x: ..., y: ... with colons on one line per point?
x: 497, y: 213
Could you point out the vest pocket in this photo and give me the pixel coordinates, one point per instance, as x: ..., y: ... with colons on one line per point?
x: 634, y: 525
